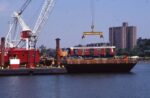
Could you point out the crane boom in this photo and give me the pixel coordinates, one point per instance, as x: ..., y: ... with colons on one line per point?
x: 46, y: 9
x: 43, y: 16
x: 28, y: 36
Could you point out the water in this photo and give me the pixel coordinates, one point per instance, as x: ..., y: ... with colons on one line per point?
x: 130, y: 85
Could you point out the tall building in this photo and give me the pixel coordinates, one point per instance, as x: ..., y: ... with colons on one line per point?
x: 123, y: 37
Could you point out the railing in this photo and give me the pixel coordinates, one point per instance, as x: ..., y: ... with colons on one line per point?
x: 98, y: 61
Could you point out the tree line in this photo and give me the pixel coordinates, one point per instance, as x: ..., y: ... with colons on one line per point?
x: 142, y: 49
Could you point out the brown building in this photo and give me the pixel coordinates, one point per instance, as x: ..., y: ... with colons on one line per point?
x: 123, y: 37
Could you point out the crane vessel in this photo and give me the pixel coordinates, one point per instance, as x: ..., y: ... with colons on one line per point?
x: 18, y: 51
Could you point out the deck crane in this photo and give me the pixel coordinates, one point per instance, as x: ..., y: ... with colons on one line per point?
x: 26, y: 31
x: 28, y: 36
x: 12, y: 42
x: 16, y: 41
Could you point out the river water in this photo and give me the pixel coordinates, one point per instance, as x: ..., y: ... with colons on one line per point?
x: 129, y: 85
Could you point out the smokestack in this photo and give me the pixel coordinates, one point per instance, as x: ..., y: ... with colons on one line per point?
x: 2, y: 51
x: 57, y: 51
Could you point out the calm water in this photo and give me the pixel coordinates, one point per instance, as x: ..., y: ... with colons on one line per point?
x: 131, y: 85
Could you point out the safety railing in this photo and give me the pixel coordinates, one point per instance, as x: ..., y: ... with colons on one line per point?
x: 98, y: 61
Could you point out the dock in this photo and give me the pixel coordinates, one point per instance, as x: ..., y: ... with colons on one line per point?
x: 34, y: 71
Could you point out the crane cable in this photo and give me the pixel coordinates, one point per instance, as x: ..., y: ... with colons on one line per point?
x: 92, y: 22
x: 24, y: 6
x: 92, y: 15
x: 92, y: 8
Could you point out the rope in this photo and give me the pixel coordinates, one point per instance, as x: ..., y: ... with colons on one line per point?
x: 93, y: 14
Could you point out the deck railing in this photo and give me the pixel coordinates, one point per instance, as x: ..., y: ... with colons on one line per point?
x: 98, y: 61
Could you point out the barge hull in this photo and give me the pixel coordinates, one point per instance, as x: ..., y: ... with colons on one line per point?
x: 99, y: 68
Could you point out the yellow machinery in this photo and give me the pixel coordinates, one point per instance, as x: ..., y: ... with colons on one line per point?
x: 92, y: 33
x: 92, y: 25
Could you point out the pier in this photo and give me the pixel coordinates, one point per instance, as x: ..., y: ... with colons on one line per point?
x: 34, y: 71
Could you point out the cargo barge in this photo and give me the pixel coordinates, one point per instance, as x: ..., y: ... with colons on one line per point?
x: 96, y: 60
x: 96, y: 66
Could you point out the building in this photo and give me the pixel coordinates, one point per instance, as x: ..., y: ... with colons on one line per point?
x: 123, y: 37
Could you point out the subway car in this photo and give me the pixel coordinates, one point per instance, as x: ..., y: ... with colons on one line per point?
x: 102, y: 51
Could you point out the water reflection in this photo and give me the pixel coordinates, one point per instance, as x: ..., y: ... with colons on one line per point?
x: 121, y: 85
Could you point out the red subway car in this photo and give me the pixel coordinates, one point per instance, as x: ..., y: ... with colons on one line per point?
x: 102, y: 51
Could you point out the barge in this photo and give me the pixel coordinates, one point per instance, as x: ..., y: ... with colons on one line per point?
x: 98, y: 66
x: 96, y: 60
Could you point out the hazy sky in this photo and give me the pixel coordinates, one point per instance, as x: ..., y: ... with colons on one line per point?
x: 72, y: 17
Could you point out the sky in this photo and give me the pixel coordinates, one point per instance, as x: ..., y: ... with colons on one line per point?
x: 70, y: 18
